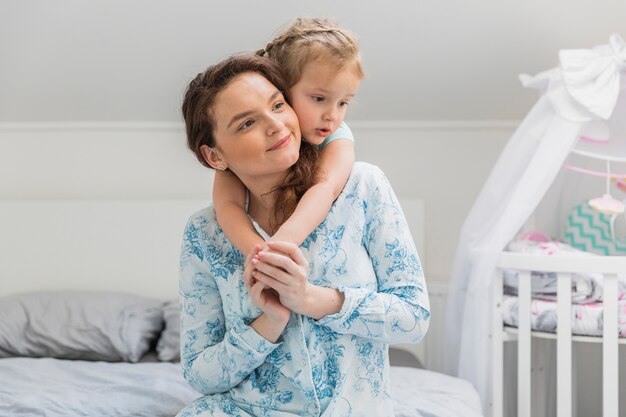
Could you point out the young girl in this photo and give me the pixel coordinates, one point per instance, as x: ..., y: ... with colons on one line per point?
x: 323, y: 70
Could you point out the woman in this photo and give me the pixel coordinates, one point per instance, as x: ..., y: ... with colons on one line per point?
x: 310, y: 334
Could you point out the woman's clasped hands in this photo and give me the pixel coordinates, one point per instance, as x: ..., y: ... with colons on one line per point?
x: 276, y: 276
x: 267, y: 299
x: 280, y: 271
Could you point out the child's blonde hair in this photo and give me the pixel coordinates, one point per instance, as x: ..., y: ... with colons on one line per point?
x: 309, y: 39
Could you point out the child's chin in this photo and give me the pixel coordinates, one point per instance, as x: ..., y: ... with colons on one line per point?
x: 316, y: 139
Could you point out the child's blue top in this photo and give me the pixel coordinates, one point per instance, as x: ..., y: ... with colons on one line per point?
x: 342, y: 132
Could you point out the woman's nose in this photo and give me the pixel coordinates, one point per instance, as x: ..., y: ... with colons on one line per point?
x: 274, y: 125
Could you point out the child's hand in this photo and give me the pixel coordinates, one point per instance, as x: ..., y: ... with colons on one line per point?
x: 248, y: 267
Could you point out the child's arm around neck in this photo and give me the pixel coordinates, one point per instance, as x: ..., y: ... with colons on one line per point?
x: 229, y: 200
x: 336, y: 164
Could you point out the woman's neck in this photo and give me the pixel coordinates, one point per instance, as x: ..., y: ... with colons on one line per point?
x: 261, y: 208
x: 262, y: 203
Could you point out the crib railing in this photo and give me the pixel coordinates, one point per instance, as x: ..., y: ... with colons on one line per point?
x: 564, y: 267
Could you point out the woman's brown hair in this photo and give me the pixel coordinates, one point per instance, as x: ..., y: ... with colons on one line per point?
x: 198, y: 114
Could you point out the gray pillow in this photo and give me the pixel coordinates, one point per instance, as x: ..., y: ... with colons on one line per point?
x: 168, y: 346
x: 79, y: 325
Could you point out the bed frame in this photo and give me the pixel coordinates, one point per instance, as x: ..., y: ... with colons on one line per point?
x: 564, y: 266
x: 104, y: 245
x: 109, y: 245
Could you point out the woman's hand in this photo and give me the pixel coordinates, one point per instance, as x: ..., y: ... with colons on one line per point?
x: 285, y: 270
x: 265, y: 298
x: 268, y: 301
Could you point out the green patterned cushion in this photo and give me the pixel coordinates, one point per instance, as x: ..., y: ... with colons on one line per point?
x: 589, y: 230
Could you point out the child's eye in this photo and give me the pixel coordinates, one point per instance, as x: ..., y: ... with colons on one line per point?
x: 317, y: 98
x: 344, y: 103
x: 245, y: 125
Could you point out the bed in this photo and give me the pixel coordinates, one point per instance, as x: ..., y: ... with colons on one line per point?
x: 101, y: 353
x: 56, y: 387
x: 56, y: 346
x: 89, y: 276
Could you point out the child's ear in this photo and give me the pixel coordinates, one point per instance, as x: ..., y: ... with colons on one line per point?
x: 213, y: 157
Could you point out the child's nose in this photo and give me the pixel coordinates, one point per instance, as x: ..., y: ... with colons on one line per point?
x: 331, y: 114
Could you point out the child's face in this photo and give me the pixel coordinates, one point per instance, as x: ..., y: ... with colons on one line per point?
x: 321, y: 98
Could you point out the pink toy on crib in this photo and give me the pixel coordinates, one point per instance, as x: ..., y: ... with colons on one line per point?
x: 534, y: 236
x: 607, y: 204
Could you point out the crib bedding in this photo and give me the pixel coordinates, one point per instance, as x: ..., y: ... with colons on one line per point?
x: 587, y: 293
x: 586, y: 288
x: 587, y: 319
x: 57, y: 387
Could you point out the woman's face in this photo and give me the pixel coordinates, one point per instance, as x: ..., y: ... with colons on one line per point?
x: 256, y: 131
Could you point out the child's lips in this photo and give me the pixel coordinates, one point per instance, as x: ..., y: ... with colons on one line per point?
x: 323, y: 132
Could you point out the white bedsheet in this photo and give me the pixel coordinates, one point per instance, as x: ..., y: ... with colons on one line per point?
x: 418, y: 392
x: 54, y: 388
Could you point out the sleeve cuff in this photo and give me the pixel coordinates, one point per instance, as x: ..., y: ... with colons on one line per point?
x: 340, y: 318
x: 245, y: 336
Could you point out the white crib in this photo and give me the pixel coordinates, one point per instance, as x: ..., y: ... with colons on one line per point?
x: 564, y: 267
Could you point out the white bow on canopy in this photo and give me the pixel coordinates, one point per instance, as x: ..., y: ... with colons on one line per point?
x: 586, y: 86
x: 592, y: 76
x: 587, y: 82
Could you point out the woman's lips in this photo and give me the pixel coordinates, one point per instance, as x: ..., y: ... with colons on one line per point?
x: 281, y: 143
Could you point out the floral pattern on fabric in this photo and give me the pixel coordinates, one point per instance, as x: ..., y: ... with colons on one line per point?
x: 335, y: 366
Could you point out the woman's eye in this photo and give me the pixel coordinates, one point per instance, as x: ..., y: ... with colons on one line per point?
x: 279, y: 105
x: 245, y: 125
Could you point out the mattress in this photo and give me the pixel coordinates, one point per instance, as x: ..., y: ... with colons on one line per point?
x: 587, y: 319
x: 54, y: 388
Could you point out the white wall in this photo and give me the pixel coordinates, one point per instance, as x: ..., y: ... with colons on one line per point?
x: 118, y: 60
x: 440, y: 100
x: 445, y: 164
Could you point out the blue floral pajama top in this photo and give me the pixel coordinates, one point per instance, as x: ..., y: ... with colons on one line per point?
x: 334, y: 367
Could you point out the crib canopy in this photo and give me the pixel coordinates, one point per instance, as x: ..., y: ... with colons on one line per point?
x: 587, y: 90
